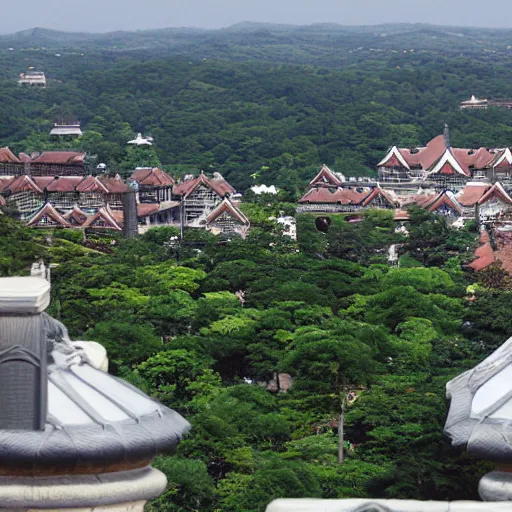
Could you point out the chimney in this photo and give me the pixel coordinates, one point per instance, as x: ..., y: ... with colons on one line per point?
x: 23, y: 353
x: 130, y: 227
x: 447, y: 137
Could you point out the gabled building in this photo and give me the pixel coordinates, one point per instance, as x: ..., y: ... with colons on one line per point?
x: 327, y: 178
x: 23, y: 196
x: 443, y: 165
x: 155, y: 185
x: 334, y: 200
x: 227, y: 219
x: 494, y: 203
x: 445, y: 204
x: 200, y: 195
x: 103, y: 219
x: 48, y: 217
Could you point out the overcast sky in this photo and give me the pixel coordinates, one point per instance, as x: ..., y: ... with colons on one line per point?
x: 106, y: 15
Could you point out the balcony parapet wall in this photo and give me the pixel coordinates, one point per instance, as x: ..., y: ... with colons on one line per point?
x: 364, y: 505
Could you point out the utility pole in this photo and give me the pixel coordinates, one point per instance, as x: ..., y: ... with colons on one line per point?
x: 341, y: 426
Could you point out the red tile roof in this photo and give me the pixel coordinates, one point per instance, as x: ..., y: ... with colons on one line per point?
x: 495, y: 191
x: 426, y: 157
x: 471, y: 194
x: 145, y: 209
x: 340, y: 195
x: 218, y: 184
x: 227, y: 207
x: 91, y: 184
x: 76, y: 216
x: 378, y: 192
x: 114, y: 184
x: 7, y: 156
x: 60, y: 157
x: 325, y: 177
x: 63, y: 183
x: 443, y: 199
x: 49, y: 211
x: 22, y: 183
x: 103, y: 216
x: 402, y: 215
x: 153, y: 177
x: 43, y: 181
x: 484, y: 257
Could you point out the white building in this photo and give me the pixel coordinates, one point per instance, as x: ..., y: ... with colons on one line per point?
x: 32, y: 78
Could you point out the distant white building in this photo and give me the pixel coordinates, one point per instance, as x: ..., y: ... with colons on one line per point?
x: 66, y: 130
x: 141, y: 141
x: 289, y: 226
x: 263, y: 189
x: 32, y: 78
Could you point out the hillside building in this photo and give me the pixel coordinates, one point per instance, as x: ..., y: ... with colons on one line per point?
x: 32, y: 79
x: 475, y: 103
x: 67, y: 130
x: 443, y: 167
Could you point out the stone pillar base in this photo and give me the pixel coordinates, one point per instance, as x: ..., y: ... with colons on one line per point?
x: 126, y: 491
x: 496, y: 486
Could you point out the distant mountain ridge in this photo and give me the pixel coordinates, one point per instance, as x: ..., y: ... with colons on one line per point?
x: 323, y: 44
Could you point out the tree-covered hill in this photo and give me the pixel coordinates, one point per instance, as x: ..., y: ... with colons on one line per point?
x: 329, y: 311
x: 279, y: 121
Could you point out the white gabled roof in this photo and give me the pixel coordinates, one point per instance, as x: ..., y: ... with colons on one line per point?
x: 447, y: 158
x: 394, y: 151
x: 507, y: 154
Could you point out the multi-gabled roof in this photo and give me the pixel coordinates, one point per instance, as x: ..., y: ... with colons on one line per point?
x: 327, y: 178
x: 394, y: 159
x: 218, y: 184
x: 339, y: 195
x: 496, y: 191
x: 114, y: 184
x: 438, y: 157
x: 448, y: 165
x: 152, y: 177
x: 63, y: 183
x: 22, y: 183
x: 7, y: 156
x: 60, y: 157
x: 76, y: 217
x: 229, y: 208
x: 103, y: 219
x: 48, y: 216
x: 472, y: 193
x: 446, y: 200
x: 378, y: 192
x: 91, y: 184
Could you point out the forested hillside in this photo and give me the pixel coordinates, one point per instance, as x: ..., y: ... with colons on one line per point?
x: 255, y: 114
x: 205, y: 325
x: 335, y: 316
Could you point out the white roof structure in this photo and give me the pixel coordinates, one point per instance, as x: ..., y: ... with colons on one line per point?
x: 24, y: 295
x: 32, y: 78
x: 447, y: 158
x: 394, y: 152
x: 141, y: 141
x: 66, y: 129
x: 263, y: 189
x: 507, y: 155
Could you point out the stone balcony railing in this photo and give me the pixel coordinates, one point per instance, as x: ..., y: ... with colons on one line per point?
x: 327, y: 208
x: 365, y: 505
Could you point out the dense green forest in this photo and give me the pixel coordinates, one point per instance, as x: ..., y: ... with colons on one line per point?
x: 270, y: 104
x: 270, y: 114
x: 328, y: 310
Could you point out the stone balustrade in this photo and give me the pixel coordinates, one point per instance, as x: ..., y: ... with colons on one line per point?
x: 365, y: 505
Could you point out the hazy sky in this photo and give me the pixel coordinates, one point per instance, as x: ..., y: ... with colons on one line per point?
x: 105, y: 15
